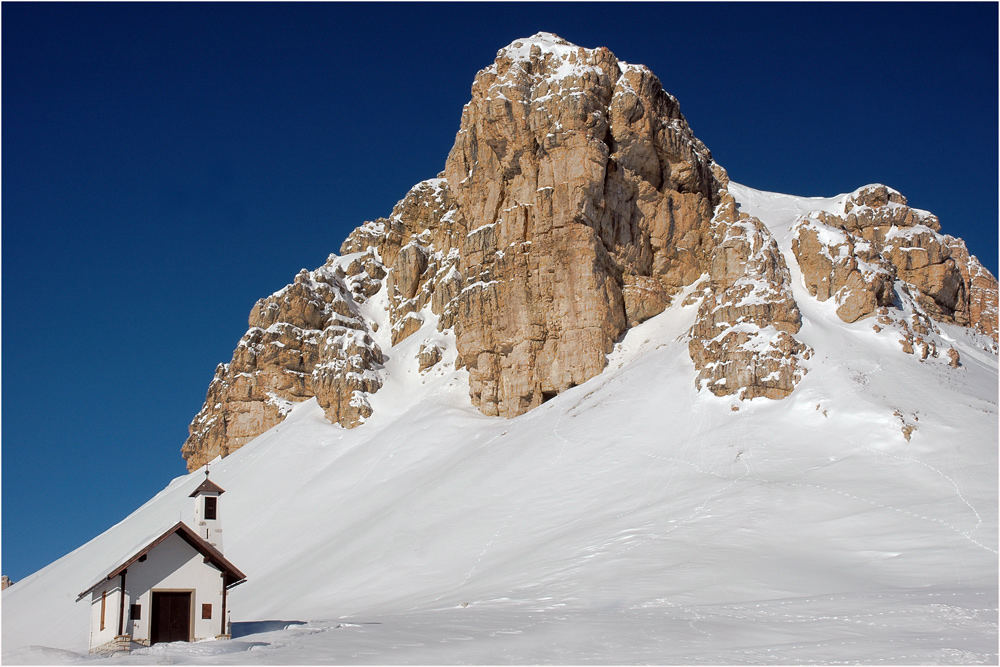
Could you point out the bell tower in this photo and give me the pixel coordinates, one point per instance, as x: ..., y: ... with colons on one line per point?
x: 207, y: 517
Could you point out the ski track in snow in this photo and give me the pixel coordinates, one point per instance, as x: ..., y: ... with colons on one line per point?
x: 958, y: 492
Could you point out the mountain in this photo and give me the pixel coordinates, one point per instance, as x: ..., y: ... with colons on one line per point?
x: 581, y: 398
x: 575, y: 204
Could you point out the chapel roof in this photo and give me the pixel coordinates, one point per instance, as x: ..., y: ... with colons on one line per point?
x: 212, y: 555
x: 207, y: 486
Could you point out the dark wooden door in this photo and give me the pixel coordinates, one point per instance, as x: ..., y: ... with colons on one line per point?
x: 170, y: 620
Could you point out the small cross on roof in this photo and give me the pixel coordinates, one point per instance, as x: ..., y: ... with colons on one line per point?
x: 208, y: 486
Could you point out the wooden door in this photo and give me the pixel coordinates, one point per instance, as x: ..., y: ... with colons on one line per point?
x: 170, y: 620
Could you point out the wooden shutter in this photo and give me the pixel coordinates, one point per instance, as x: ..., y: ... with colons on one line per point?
x: 206, y: 610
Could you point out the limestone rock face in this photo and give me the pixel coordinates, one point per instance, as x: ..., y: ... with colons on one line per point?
x: 644, y: 297
x: 305, y: 340
x: 837, y: 264
x: 588, y: 198
x: 743, y: 341
x: 980, y: 288
x: 420, y: 244
x: 311, y: 339
x: 857, y: 256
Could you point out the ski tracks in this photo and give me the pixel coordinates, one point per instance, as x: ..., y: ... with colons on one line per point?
x: 958, y: 492
x: 486, y: 548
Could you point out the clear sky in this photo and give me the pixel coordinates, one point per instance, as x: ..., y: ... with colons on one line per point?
x: 166, y: 165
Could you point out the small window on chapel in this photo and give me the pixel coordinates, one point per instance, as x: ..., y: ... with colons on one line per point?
x: 206, y: 611
x: 135, y: 612
x: 210, y: 506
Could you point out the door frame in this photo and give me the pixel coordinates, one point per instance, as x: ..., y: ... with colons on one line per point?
x: 152, y: 607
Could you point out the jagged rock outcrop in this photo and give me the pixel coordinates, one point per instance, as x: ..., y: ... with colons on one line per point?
x: 980, y: 288
x: 857, y: 255
x: 305, y: 340
x: 420, y: 245
x: 743, y: 342
x: 430, y: 354
x: 835, y: 265
x: 575, y: 203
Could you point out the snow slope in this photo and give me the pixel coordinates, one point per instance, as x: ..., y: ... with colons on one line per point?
x: 629, y: 519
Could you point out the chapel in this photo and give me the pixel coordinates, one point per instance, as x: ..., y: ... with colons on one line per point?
x: 172, y: 587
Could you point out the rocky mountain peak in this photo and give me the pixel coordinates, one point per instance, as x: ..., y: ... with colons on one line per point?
x: 546, y: 47
x: 575, y: 203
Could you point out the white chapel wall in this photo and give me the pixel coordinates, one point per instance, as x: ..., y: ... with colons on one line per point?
x: 176, y: 565
x: 112, y: 602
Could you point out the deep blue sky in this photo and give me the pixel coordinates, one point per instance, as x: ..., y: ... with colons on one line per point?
x: 164, y: 166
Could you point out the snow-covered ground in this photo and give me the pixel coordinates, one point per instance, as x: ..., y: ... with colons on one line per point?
x: 629, y: 519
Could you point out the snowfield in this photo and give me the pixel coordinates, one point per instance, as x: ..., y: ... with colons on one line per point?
x: 630, y: 519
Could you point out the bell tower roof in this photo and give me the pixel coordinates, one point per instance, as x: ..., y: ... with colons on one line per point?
x: 207, y: 486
